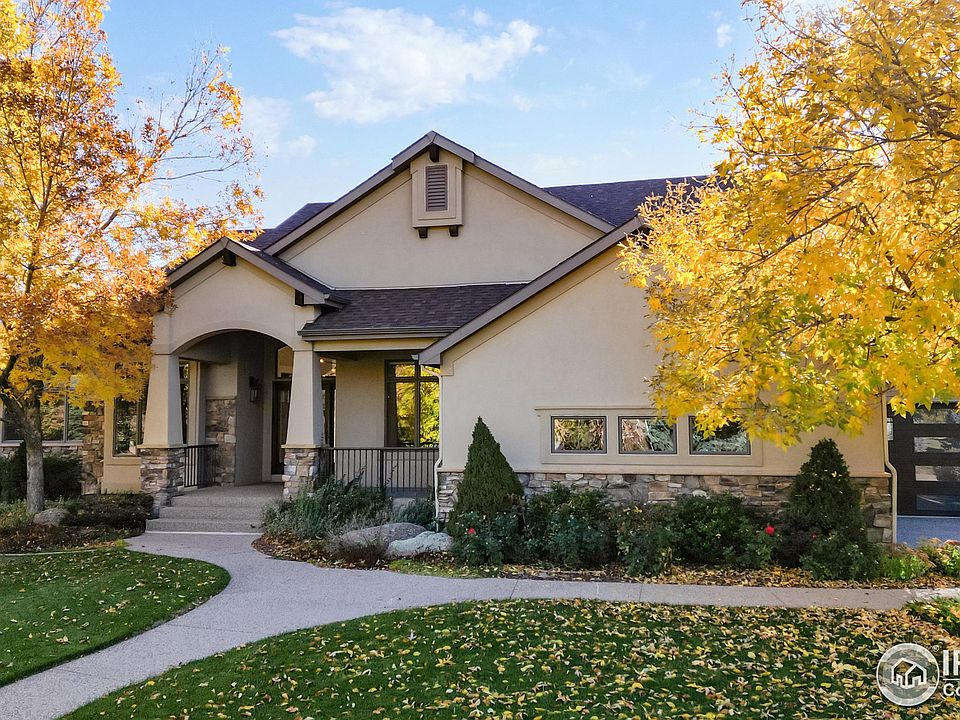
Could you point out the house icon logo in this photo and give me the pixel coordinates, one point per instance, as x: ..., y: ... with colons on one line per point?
x: 908, y: 674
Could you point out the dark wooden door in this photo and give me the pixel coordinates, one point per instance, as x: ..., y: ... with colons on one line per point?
x: 925, y: 450
x: 281, y: 413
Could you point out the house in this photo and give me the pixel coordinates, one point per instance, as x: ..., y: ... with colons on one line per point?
x: 363, y: 338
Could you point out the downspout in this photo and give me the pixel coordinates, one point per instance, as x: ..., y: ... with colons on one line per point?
x: 439, y: 462
x: 890, y: 468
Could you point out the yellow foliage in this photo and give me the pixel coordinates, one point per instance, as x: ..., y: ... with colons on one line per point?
x: 87, y: 229
x: 819, y: 267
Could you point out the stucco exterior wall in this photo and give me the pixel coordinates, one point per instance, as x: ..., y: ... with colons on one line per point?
x: 507, y: 236
x: 359, y: 407
x: 584, y: 346
x: 219, y: 298
x: 121, y: 473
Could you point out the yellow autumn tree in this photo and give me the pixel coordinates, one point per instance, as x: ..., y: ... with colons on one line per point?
x: 819, y: 267
x: 89, y: 218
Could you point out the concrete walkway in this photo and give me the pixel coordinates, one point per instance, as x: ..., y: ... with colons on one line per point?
x: 266, y: 597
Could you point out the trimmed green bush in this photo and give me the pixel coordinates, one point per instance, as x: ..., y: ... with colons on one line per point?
x: 489, y: 486
x: 572, y: 529
x: 120, y: 511
x: 645, y: 540
x: 823, y: 501
x: 483, y: 541
x: 944, y: 612
x: 712, y: 529
x: 836, y: 558
x: 332, y: 507
x: 759, y: 550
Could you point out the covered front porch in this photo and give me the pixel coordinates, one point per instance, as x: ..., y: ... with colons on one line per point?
x: 239, y: 408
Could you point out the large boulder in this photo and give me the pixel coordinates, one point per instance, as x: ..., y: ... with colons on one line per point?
x: 52, y: 517
x: 426, y: 543
x: 373, y: 539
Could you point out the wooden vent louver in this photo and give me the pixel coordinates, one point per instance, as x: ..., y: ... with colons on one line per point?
x: 436, y: 188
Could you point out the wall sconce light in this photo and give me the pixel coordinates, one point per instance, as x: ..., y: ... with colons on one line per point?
x: 255, y: 389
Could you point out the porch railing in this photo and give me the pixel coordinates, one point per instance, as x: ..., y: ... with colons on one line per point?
x: 394, y: 470
x: 198, y: 465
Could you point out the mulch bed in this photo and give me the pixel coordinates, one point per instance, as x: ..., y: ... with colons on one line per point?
x: 39, y: 538
x: 290, y: 548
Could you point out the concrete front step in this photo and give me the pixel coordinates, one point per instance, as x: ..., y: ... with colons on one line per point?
x: 216, y: 497
x: 207, y: 512
x: 202, y: 525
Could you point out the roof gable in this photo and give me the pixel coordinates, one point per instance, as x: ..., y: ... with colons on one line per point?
x: 400, y: 162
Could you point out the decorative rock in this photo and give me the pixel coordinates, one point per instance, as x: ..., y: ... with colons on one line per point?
x: 378, y: 535
x: 52, y: 517
x: 426, y: 543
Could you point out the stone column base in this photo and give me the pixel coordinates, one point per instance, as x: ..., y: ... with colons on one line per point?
x: 161, y: 471
x: 300, y: 470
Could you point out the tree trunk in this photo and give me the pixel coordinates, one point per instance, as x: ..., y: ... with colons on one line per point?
x: 33, y: 441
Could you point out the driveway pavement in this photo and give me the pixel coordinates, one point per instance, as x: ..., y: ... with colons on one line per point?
x: 267, y: 596
x: 913, y: 529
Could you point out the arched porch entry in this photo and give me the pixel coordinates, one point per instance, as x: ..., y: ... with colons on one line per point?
x: 231, y: 408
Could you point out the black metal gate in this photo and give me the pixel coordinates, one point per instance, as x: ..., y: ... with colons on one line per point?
x: 925, y: 450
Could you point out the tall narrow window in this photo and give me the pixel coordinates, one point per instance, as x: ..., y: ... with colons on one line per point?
x: 185, y: 399
x: 413, y: 406
x: 128, y: 416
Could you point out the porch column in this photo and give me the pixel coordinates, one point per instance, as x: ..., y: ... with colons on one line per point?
x: 162, y: 453
x: 301, y: 452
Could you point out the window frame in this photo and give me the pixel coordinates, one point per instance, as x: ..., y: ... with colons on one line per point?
x: 604, y: 438
x: 692, y: 428
x: 674, y: 432
x: 390, y: 415
x: 64, y: 439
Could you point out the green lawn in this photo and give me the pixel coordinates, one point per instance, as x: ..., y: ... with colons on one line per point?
x: 56, y: 607
x: 542, y: 659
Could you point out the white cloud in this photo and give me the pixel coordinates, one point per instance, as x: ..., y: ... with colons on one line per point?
x: 480, y: 18
x: 724, y: 34
x: 522, y: 103
x: 383, y: 64
x: 266, y: 119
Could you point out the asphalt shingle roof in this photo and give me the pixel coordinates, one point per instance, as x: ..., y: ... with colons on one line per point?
x: 615, y: 202
x: 268, y: 237
x: 437, y: 309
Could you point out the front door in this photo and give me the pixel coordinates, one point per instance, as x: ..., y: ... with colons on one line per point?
x: 925, y: 450
x: 281, y: 412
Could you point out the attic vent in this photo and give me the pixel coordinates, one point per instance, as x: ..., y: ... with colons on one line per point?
x: 436, y: 188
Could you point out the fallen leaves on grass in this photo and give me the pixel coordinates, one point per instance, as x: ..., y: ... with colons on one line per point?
x: 548, y: 659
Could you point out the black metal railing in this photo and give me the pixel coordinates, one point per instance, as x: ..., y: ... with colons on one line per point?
x: 394, y: 470
x: 198, y: 460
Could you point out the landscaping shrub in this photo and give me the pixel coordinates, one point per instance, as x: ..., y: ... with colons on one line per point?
x: 836, y: 558
x: 758, y: 551
x: 481, y: 540
x: 903, y: 563
x: 823, y: 501
x: 13, y: 515
x: 712, y: 529
x: 572, y: 529
x: 61, y: 476
x: 120, y: 511
x: 421, y: 511
x: 332, y: 507
x: 945, y: 556
x: 944, y: 612
x: 489, y: 486
x: 645, y: 540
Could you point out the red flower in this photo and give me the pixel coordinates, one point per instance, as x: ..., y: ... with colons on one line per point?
x: 471, y: 531
x: 813, y: 536
x: 769, y: 530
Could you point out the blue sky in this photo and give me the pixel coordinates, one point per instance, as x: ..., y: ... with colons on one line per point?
x: 558, y: 93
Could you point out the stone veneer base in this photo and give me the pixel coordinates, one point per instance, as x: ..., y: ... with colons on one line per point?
x: 769, y: 492
x: 221, y: 430
x: 161, y: 471
x: 300, y: 469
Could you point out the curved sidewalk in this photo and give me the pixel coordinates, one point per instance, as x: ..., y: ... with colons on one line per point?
x: 267, y: 596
